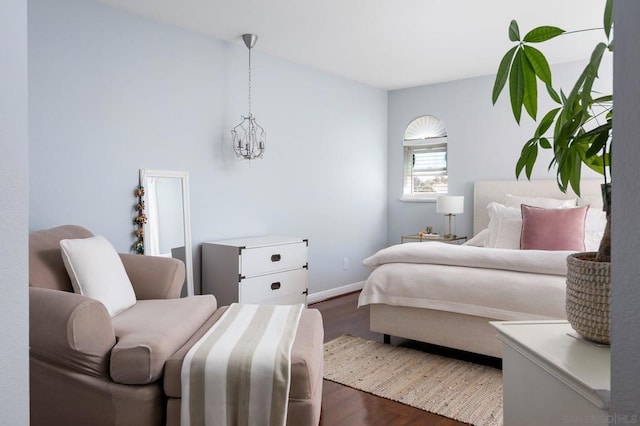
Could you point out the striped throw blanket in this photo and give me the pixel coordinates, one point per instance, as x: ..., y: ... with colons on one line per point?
x: 239, y: 372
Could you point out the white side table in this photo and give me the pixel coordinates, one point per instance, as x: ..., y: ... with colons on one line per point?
x: 552, y: 378
x: 432, y: 237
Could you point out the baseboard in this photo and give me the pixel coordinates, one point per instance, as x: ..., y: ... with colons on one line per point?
x: 339, y: 291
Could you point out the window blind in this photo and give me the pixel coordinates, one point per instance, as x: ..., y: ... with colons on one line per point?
x: 425, y: 168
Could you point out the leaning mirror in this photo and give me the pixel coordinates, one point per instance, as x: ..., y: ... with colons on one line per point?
x: 168, y: 228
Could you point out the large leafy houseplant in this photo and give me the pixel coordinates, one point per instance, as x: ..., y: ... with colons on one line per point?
x: 578, y: 128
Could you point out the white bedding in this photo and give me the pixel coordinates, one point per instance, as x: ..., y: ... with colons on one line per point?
x: 535, y: 261
x: 495, y: 283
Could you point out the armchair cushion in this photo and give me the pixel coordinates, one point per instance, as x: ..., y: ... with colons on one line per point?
x: 154, y: 277
x: 71, y: 330
x: 151, y: 331
x: 96, y: 271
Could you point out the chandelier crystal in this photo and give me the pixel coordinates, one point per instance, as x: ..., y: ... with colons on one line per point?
x: 249, y: 137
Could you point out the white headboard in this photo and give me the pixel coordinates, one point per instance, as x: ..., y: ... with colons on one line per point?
x: 486, y: 191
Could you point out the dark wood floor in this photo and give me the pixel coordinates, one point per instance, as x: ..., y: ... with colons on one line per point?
x: 342, y: 405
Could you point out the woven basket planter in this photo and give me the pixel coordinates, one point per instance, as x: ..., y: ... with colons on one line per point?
x: 587, y: 303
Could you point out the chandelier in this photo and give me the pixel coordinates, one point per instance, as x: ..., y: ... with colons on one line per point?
x: 248, y: 136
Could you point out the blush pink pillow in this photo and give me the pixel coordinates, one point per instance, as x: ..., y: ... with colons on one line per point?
x: 552, y: 229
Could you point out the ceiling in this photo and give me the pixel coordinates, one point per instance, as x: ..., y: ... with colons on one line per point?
x: 389, y: 44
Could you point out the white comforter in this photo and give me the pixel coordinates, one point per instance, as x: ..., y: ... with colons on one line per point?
x: 495, y: 283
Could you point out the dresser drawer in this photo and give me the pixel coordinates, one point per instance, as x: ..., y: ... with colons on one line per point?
x: 292, y: 299
x: 289, y: 285
x: 273, y: 258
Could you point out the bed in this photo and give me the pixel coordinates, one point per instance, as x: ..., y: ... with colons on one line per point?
x: 446, y: 294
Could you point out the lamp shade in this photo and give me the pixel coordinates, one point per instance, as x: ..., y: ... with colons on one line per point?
x: 450, y: 204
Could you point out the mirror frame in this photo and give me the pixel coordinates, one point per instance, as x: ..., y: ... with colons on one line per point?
x: 184, y: 179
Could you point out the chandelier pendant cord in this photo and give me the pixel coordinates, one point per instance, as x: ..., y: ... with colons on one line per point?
x: 249, y: 82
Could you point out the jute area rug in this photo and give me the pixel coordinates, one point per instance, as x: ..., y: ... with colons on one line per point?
x: 460, y: 390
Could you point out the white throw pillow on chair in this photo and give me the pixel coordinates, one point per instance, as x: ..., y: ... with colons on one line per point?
x: 96, y: 271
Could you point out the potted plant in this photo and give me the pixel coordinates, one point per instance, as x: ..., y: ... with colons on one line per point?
x: 578, y: 131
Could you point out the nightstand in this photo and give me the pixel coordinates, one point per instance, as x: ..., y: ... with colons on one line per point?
x: 260, y: 270
x: 551, y: 376
x: 432, y: 237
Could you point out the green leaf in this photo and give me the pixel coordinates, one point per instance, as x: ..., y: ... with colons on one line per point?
x: 582, y: 86
x: 503, y: 73
x: 514, y: 32
x: 525, y: 155
x: 516, y: 86
x: 566, y: 133
x: 595, y: 163
x: 601, y: 129
x: 571, y: 167
x: 530, y: 95
x: 543, y: 33
x: 546, y: 122
x: 520, y: 165
x: 608, y: 18
x: 603, y: 99
x: 565, y: 167
x: 539, y: 63
x: 598, y: 143
x: 544, y: 143
x: 531, y: 160
x: 554, y: 95
x: 592, y: 73
x: 575, y: 180
x: 563, y: 97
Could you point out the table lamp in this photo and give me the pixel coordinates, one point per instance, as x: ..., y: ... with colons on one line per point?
x: 450, y: 205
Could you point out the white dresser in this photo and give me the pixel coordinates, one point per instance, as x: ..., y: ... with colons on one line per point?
x: 552, y: 378
x: 261, y: 270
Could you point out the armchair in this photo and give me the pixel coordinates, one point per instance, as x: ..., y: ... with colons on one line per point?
x: 89, y: 368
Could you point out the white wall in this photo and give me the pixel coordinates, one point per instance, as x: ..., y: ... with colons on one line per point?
x: 111, y: 93
x: 14, y: 311
x: 484, y: 141
x: 625, y: 292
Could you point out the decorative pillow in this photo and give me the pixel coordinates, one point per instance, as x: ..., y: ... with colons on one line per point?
x: 96, y: 271
x: 497, y: 213
x: 508, y: 235
x: 594, y: 228
x: 547, y: 203
x: 553, y: 229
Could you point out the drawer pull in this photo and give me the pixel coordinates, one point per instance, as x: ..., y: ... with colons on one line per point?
x: 275, y: 258
x: 275, y: 286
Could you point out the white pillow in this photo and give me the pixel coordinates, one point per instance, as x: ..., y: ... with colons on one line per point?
x: 479, y: 240
x: 594, y: 228
x: 497, y: 213
x: 545, y: 203
x: 96, y: 271
x: 508, y: 235
x: 593, y: 201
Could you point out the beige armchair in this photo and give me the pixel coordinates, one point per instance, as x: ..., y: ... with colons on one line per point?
x: 89, y: 368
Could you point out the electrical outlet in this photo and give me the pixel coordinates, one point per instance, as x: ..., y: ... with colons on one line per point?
x: 345, y: 263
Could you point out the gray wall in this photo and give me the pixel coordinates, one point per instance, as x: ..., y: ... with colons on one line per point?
x: 14, y: 339
x: 625, y: 345
x: 111, y: 93
x: 484, y: 142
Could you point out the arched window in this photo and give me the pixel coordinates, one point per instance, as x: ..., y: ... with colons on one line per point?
x: 425, y: 158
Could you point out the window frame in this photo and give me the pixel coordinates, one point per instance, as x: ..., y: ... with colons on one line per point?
x: 422, y: 133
